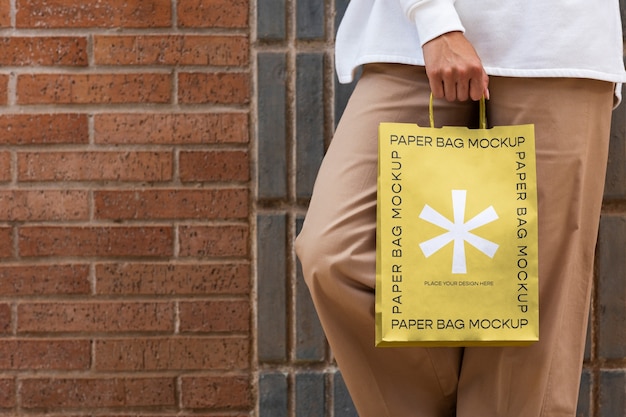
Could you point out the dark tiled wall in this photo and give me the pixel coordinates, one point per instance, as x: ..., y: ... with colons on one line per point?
x: 298, y: 105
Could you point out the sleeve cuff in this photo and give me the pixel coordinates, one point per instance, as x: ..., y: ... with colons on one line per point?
x: 433, y: 18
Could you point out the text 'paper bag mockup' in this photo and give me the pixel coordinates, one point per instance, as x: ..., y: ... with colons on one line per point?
x: 456, y: 236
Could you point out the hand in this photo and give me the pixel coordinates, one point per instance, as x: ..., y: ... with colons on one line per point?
x: 454, y: 69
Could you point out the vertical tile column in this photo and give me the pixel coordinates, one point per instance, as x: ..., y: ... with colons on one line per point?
x: 309, y: 135
x: 603, y: 387
x: 297, y: 101
x: 272, y: 126
x: 606, y: 368
x: 298, y: 104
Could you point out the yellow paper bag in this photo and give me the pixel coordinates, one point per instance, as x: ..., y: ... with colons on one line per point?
x: 456, y: 236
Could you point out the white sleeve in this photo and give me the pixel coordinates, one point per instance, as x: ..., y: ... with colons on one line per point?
x: 432, y: 17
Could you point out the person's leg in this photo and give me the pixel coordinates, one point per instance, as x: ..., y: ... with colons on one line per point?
x: 337, y: 248
x: 572, y: 124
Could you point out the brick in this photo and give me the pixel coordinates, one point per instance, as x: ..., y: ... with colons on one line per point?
x: 163, y: 129
x: 271, y: 20
x: 95, y: 241
x: 310, y: 394
x: 7, y: 393
x: 271, y: 291
x: 188, y: 353
x: 612, y: 401
x: 43, y: 51
x: 272, y: 128
x: 213, y: 88
x: 4, y: 89
x: 5, y: 318
x: 171, y: 50
x: 93, y: 88
x: 215, y: 316
x: 95, y: 166
x: 5, y: 14
x: 6, y: 242
x: 273, y: 395
x: 45, y: 354
x: 214, y: 166
x: 171, y: 278
x: 53, y: 393
x: 104, y: 14
x: 615, y: 186
x: 30, y: 279
x: 212, y: 13
x: 107, y: 317
x: 310, y: 338
x: 209, y: 241
x: 42, y: 205
x: 44, y: 129
x: 217, y: 392
x: 310, y: 22
x: 309, y: 121
x: 171, y: 204
x: 611, y: 288
x: 5, y: 166
x: 343, y: 405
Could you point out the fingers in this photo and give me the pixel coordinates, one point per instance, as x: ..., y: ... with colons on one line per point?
x: 454, y: 70
x: 459, y: 85
x: 463, y: 89
x: 436, y: 86
x: 479, y: 87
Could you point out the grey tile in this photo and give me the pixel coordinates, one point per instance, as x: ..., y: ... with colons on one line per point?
x: 588, y: 341
x: 272, y: 142
x: 622, y: 4
x: 342, y: 95
x: 340, y: 10
x: 342, y: 91
x: 310, y: 394
x: 615, y: 186
x: 612, y: 394
x: 273, y: 395
x: 310, y: 339
x: 584, y: 397
x: 271, y: 20
x: 271, y: 293
x: 309, y: 120
x: 612, y: 287
x: 310, y: 23
x: 344, y: 407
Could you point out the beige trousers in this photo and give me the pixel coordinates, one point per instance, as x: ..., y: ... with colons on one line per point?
x: 337, y: 250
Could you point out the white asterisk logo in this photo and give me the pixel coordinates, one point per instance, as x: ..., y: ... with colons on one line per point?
x: 459, y: 231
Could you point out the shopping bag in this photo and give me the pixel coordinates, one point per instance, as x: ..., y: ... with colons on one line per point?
x: 456, y: 236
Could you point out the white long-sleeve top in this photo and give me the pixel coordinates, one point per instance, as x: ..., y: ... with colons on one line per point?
x: 514, y: 38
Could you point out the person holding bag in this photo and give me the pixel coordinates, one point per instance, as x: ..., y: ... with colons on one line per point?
x: 555, y: 64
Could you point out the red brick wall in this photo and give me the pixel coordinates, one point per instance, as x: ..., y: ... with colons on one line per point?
x: 125, y: 200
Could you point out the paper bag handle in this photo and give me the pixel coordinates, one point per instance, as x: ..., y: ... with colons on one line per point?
x: 482, y: 113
